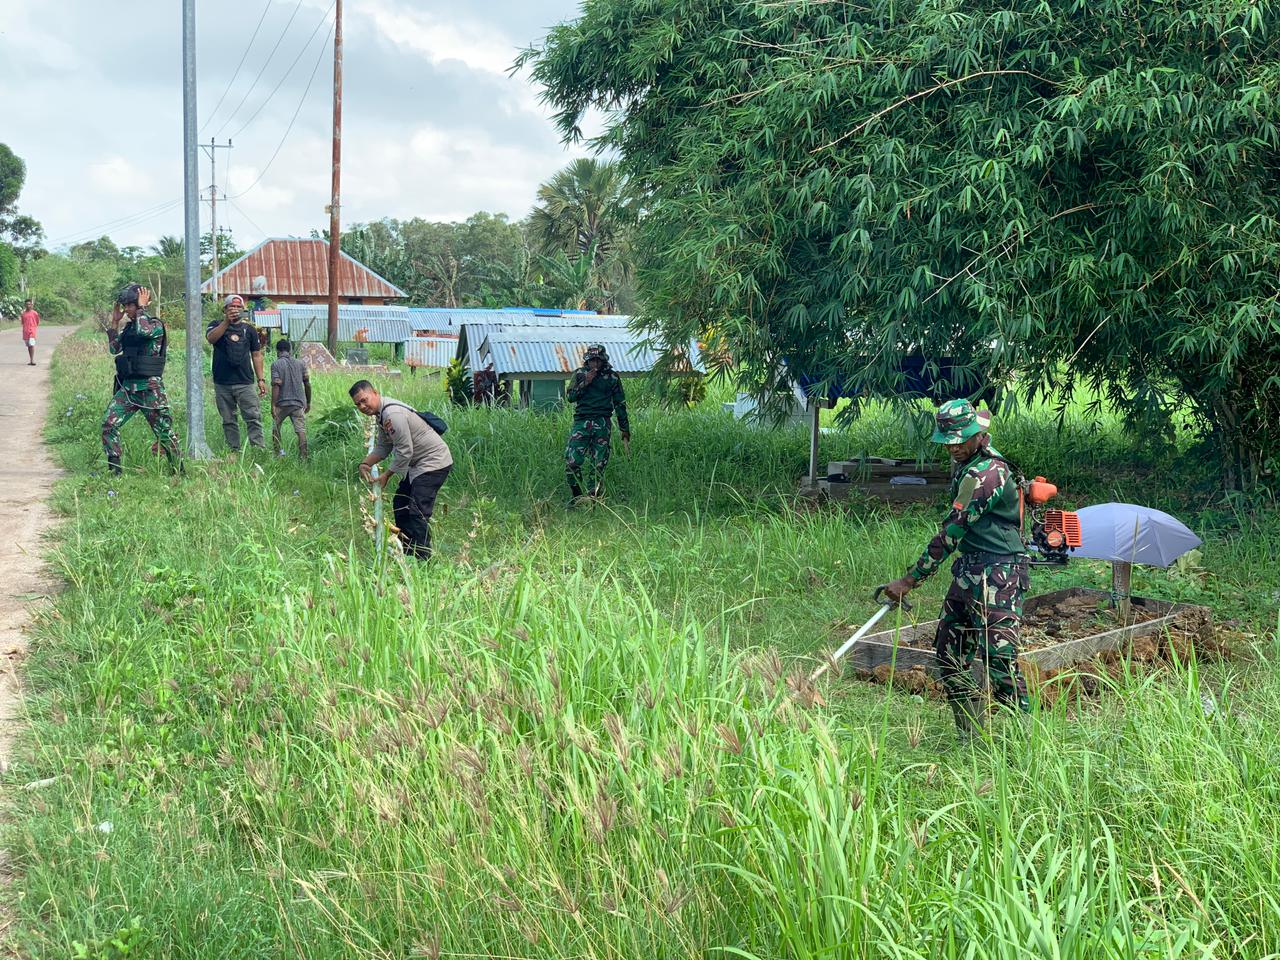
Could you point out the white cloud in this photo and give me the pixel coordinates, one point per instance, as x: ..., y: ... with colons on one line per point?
x: 478, y: 46
x: 120, y: 176
x: 434, y: 125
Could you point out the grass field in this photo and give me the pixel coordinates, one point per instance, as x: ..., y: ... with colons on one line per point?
x: 575, y: 734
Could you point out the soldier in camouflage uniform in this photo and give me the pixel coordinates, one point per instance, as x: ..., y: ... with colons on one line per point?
x: 596, y: 392
x: 984, y: 605
x: 140, y: 350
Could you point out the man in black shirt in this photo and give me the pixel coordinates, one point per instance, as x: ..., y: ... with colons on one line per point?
x: 237, y: 363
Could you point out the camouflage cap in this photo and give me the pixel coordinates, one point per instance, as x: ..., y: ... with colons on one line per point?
x: 595, y: 350
x: 957, y: 421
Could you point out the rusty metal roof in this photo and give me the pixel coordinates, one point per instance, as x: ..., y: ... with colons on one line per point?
x: 356, y: 322
x: 292, y: 267
x: 430, y: 351
x: 546, y: 351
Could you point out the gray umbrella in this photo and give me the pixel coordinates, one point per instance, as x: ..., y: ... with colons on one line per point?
x: 1128, y: 533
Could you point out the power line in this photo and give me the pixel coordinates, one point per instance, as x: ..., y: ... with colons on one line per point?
x: 287, y: 73
x: 292, y: 120
x: 120, y: 224
x: 236, y: 206
x: 243, y: 56
x: 265, y: 63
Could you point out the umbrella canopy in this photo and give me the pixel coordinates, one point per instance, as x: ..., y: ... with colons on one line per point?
x: 1128, y: 533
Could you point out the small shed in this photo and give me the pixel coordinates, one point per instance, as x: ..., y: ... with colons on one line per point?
x: 296, y: 270
x: 541, y: 359
x: 475, y: 326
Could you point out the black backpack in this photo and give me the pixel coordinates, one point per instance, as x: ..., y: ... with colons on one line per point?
x: 432, y: 421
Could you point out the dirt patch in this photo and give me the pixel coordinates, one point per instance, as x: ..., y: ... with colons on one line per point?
x: 26, y: 474
x: 1190, y: 633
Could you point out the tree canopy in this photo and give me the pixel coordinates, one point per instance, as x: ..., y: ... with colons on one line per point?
x: 1065, y: 192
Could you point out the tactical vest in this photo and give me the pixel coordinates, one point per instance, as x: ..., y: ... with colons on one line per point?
x: 134, y: 361
x: 997, y: 532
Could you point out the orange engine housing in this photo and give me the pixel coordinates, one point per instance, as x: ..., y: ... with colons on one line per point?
x: 1041, y: 491
x: 1062, y: 529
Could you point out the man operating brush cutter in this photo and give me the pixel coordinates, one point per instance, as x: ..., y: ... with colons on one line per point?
x: 990, y: 576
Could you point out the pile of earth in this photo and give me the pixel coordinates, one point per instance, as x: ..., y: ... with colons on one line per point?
x: 1053, y: 620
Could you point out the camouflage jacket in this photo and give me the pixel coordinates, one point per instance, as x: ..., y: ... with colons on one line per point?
x: 984, y: 516
x: 599, y: 399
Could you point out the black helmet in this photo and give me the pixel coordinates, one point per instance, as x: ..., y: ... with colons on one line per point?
x: 129, y: 294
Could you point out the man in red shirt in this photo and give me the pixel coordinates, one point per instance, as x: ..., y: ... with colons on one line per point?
x: 30, y: 320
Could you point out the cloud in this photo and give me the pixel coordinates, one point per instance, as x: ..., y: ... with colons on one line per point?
x: 434, y: 126
x: 120, y: 176
x: 476, y: 45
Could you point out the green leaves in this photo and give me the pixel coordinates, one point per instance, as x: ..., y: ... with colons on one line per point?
x: 860, y: 165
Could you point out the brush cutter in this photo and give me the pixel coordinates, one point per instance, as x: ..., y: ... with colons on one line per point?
x: 862, y: 631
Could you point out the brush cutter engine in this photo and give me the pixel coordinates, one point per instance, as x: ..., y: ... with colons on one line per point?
x: 1054, y: 533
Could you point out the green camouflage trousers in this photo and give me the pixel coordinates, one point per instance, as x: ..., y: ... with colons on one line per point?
x: 152, y: 402
x: 983, y: 608
x: 589, y: 439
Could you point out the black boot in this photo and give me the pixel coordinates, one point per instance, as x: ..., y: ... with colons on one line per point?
x: 575, y: 493
x: 970, y: 717
x: 113, y: 465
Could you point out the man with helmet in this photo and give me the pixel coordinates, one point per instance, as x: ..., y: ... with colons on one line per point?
x: 140, y: 349
x: 596, y: 392
x: 984, y: 604
x: 237, y: 364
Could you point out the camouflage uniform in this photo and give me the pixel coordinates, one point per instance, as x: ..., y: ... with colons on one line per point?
x: 983, y: 607
x: 589, y: 437
x: 144, y: 395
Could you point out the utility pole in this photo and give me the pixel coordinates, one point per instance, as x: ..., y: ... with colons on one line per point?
x: 211, y: 151
x: 197, y: 448
x: 336, y: 194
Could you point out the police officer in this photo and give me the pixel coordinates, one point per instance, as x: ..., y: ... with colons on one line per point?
x: 596, y: 392
x: 140, y: 349
x: 984, y: 605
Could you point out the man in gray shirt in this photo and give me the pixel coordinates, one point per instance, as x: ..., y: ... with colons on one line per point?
x: 422, y: 462
x: 290, y: 396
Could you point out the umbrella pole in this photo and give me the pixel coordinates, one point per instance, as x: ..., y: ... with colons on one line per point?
x: 1121, y: 577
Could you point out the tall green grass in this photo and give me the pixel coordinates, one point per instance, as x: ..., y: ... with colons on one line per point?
x: 588, y: 734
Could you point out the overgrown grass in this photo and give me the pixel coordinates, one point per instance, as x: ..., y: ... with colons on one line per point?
x: 579, y: 734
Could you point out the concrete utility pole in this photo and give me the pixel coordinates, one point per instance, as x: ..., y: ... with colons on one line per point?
x: 212, y: 152
x: 197, y: 448
x: 335, y: 199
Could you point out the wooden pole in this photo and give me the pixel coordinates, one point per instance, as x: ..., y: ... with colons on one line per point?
x: 335, y: 239
x: 1121, y: 580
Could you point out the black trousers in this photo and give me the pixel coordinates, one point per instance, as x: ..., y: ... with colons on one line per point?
x: 413, y: 505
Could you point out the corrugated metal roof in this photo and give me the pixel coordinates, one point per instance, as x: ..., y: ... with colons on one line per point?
x: 430, y: 351
x: 356, y: 323
x: 293, y: 267
x: 473, y: 326
x: 269, y: 319
x: 517, y: 353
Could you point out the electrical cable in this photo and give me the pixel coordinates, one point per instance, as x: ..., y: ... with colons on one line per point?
x: 243, y: 56
x: 287, y: 73
x: 123, y: 223
x: 247, y: 217
x: 291, y: 122
x: 265, y: 63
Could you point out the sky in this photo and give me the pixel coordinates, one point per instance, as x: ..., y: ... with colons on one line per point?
x: 434, y: 124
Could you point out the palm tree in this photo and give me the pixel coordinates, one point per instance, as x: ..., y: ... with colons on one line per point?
x: 168, y: 247
x: 582, y: 209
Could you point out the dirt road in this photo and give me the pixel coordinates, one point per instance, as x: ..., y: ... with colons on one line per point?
x: 26, y: 473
